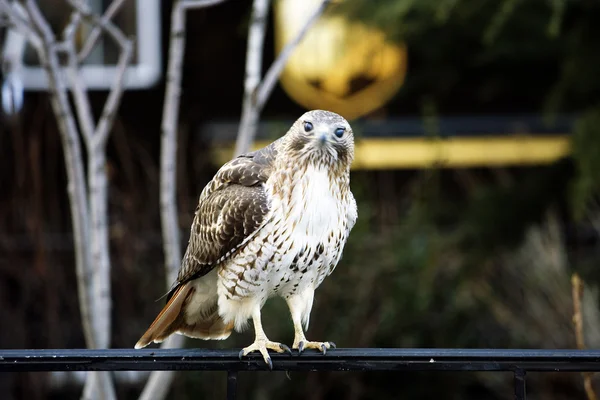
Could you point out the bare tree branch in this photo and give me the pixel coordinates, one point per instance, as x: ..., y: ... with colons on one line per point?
x: 169, y: 218
x: 254, y: 54
x: 256, y: 93
x: 191, y: 4
x: 94, y: 35
x: 73, y: 163
x: 159, y: 383
x: 95, y: 139
x: 80, y: 96
x: 115, y: 33
x: 126, y: 51
x: 577, y: 293
x: 114, y: 97
x: 168, y: 146
x: 88, y: 209
x: 268, y: 83
x: 97, y: 384
x: 18, y: 19
x: 71, y: 28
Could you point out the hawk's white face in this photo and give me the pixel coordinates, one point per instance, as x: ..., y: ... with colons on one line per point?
x: 323, y: 136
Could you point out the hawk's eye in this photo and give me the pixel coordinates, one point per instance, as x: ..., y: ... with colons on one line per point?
x: 308, y: 126
x: 339, y: 132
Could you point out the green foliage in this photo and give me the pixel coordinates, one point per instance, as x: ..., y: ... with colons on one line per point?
x: 412, y: 21
x: 558, y: 12
x: 497, y: 217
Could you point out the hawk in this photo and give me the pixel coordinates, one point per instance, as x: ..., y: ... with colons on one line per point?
x: 273, y: 222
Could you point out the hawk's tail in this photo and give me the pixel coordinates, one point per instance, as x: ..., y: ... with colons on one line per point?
x: 190, y: 312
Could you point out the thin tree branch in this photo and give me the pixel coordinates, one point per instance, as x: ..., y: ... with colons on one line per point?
x: 254, y: 54
x: 168, y: 145
x: 79, y: 91
x: 19, y: 20
x: 126, y: 52
x: 94, y: 35
x: 95, y: 140
x: 95, y: 287
x: 268, y: 83
x: 169, y: 216
x: 97, y: 179
x: 113, y: 31
x: 73, y: 163
x: 191, y: 4
x: 116, y: 92
x: 577, y: 293
x: 159, y: 383
x: 71, y: 28
x: 255, y: 97
x: 98, y: 384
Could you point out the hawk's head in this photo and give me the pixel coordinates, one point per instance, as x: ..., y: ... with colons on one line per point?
x: 321, y: 137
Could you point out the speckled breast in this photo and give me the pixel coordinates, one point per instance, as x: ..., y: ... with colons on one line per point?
x: 299, y: 245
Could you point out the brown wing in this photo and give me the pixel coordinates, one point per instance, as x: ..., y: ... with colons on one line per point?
x: 232, y: 207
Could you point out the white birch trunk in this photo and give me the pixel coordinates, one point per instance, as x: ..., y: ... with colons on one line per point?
x: 159, y: 383
x: 168, y: 145
x: 254, y: 54
x: 256, y: 93
x: 98, y: 384
x: 88, y: 203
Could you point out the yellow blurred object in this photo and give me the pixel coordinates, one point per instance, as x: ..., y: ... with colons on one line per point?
x: 456, y: 152
x: 341, y: 66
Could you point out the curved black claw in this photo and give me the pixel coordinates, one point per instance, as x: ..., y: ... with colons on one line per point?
x: 269, y: 363
x: 285, y: 348
x: 323, y: 349
x: 300, y: 347
x: 332, y: 345
x: 241, y: 354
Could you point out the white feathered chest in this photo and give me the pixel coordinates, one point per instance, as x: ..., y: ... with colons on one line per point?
x: 310, y: 219
x: 311, y: 226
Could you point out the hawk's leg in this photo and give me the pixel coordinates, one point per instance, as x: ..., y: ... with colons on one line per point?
x: 261, y: 342
x: 297, y: 305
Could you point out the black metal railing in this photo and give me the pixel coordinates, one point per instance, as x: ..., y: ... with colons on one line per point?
x: 517, y: 361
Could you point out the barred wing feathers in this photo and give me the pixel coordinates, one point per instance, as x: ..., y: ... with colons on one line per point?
x: 231, y: 209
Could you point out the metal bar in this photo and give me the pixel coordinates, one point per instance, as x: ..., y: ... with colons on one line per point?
x: 335, y: 360
x: 225, y: 130
x: 232, y: 385
x: 519, y: 382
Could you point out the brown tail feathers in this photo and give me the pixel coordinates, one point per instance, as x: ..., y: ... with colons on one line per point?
x: 203, y: 322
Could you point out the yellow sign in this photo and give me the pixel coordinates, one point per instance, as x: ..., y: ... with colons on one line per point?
x: 341, y: 66
x: 456, y: 152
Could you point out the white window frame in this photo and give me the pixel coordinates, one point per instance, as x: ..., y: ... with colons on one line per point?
x: 145, y: 73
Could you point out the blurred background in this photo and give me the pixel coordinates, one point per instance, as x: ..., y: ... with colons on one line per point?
x: 477, y: 178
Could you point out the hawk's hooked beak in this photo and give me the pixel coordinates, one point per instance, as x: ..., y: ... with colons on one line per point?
x: 323, y: 138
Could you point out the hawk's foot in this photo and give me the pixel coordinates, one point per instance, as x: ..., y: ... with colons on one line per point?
x: 320, y: 346
x: 262, y: 345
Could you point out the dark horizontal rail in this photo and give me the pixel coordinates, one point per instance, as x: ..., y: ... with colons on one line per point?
x: 219, y: 131
x: 334, y: 360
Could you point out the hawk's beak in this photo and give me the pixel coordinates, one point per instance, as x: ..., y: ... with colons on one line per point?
x: 323, y: 139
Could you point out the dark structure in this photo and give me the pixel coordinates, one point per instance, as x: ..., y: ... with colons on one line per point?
x: 517, y: 361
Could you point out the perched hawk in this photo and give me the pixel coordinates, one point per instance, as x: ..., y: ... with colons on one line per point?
x: 271, y: 222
